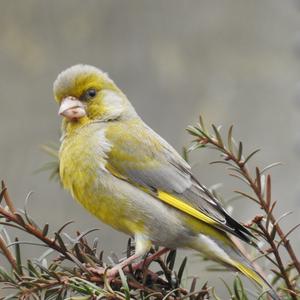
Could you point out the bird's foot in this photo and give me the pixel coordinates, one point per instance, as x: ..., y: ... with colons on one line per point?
x: 109, y: 273
x: 97, y: 270
x: 113, y: 272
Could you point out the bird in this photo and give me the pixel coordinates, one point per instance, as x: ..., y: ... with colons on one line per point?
x: 130, y: 178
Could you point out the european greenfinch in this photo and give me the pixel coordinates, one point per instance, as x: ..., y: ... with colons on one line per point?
x: 129, y: 177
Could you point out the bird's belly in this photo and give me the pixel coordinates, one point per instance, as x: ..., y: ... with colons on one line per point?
x: 116, y: 202
x: 95, y: 196
x: 130, y: 210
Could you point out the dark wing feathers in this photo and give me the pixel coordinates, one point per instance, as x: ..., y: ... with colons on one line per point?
x: 239, y: 230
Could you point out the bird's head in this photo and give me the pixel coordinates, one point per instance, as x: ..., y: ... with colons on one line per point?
x: 85, y: 94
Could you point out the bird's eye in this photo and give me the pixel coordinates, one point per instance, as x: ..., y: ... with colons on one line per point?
x: 90, y: 93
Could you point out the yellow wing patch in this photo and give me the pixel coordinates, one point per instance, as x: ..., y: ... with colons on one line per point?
x: 171, y: 200
x: 184, y: 207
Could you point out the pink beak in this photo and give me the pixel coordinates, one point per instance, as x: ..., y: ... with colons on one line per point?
x: 72, y: 108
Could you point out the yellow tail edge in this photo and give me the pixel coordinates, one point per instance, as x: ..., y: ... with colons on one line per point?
x: 252, y: 274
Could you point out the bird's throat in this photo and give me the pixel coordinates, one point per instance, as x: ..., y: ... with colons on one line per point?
x: 71, y: 126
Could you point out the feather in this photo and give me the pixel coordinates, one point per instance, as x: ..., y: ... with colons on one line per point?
x: 143, y: 158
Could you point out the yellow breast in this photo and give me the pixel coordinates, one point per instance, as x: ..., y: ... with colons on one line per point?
x: 83, y: 157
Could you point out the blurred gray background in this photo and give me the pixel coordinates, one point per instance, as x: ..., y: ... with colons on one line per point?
x: 235, y: 62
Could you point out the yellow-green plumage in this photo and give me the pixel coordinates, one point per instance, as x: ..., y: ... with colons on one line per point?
x: 80, y: 167
x: 130, y: 178
x: 82, y: 162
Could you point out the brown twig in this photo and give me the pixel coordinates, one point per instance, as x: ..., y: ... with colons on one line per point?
x: 265, y: 202
x: 7, y: 253
x: 7, y: 198
x: 56, y: 278
x: 256, y: 187
x: 281, y: 267
x: 14, y: 217
x: 266, y: 207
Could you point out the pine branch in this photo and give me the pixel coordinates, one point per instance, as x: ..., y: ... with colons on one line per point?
x: 233, y: 155
x: 52, y: 279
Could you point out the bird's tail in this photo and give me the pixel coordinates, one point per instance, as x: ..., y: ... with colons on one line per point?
x: 252, y: 274
x: 227, y: 253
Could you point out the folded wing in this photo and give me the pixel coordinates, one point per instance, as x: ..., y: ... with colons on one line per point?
x: 141, y: 156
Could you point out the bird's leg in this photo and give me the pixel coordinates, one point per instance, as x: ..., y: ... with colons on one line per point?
x: 114, y: 271
x: 151, y: 258
x: 142, y: 246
